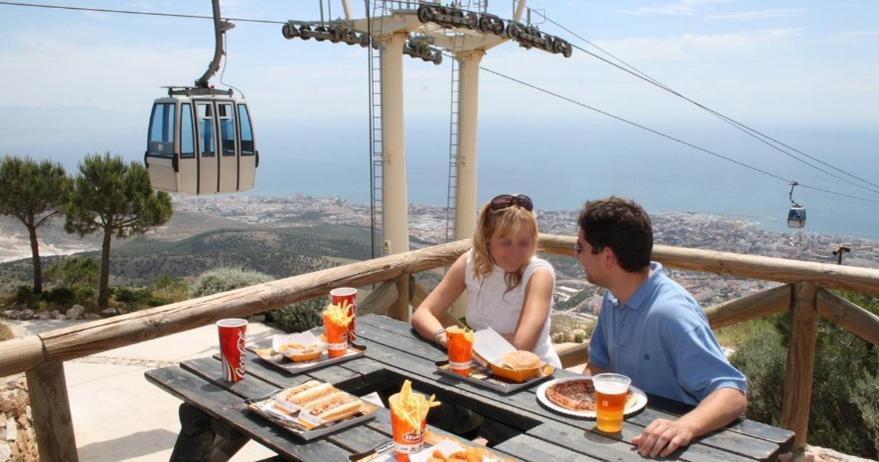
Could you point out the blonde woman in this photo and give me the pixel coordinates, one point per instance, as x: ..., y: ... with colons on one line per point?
x: 508, y: 288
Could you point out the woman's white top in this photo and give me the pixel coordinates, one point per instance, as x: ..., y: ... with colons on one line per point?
x: 489, y: 304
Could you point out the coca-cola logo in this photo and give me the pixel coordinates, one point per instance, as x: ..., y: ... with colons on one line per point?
x: 242, y: 350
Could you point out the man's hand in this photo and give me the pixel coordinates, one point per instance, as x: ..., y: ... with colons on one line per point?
x: 663, y: 437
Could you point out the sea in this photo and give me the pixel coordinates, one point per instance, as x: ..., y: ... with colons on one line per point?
x: 560, y: 162
x: 565, y: 163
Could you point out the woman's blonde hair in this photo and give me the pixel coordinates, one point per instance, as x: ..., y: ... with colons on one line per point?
x: 505, y: 222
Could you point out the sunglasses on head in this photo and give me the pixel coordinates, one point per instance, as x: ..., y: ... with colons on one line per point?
x: 508, y: 200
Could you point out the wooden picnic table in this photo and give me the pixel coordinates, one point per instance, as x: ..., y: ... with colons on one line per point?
x: 215, y: 422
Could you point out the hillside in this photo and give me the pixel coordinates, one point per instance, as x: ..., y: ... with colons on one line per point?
x: 279, y: 251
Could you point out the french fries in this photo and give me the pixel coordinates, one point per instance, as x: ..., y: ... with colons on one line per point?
x: 413, y: 407
x: 470, y: 454
x: 338, y: 314
x: 468, y: 333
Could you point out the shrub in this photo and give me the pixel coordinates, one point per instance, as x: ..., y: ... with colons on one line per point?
x: 865, y: 397
x: 298, y: 317
x: 25, y: 297
x: 843, y: 413
x: 132, y: 296
x: 85, y: 296
x: 75, y: 272
x: 61, y: 297
x: 168, y: 289
x: 225, y: 279
x: 293, y: 318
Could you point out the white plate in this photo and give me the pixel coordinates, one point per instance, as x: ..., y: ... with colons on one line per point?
x: 640, y: 400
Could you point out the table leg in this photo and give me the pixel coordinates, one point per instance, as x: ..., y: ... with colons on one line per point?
x: 196, y: 436
x: 227, y: 442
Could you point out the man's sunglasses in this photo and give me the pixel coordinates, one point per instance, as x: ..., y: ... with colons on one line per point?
x: 508, y: 200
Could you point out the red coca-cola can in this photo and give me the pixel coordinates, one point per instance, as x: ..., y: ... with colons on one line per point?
x: 347, y: 295
x: 233, y: 343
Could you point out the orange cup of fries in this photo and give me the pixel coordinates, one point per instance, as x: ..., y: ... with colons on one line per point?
x: 460, y: 348
x: 336, y: 320
x: 409, y: 420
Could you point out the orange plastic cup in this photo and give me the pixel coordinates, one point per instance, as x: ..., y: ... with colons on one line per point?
x: 337, y: 337
x: 460, y: 348
x: 347, y: 295
x: 407, y: 438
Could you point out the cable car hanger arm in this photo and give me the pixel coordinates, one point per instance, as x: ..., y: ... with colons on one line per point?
x: 220, y: 28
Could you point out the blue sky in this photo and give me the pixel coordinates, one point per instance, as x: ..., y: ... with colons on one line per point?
x: 768, y: 62
x: 76, y: 82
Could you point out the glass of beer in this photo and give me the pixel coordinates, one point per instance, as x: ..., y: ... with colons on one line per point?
x: 460, y: 349
x: 611, y: 391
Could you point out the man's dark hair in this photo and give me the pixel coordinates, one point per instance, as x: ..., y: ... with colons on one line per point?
x: 623, y: 226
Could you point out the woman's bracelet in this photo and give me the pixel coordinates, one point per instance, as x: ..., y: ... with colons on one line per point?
x: 437, y: 334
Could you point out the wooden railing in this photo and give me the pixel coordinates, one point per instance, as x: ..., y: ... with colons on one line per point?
x: 804, y: 293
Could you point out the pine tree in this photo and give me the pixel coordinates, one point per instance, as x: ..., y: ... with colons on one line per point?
x: 113, y: 197
x: 33, y: 192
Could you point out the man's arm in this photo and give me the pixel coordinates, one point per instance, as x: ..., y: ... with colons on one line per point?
x: 662, y: 436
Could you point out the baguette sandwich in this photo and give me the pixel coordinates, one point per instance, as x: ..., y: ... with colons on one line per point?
x: 335, y: 406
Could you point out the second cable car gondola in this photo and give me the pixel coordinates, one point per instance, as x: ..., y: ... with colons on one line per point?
x: 200, y: 139
x: 796, y: 216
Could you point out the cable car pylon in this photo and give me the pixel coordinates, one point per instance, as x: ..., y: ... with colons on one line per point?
x: 423, y: 31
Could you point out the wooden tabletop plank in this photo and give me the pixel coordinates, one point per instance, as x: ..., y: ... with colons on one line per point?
x: 733, y: 442
x: 382, y: 423
x: 531, y: 448
x: 395, y: 334
x: 211, y: 370
x: 749, y: 427
x: 223, y: 405
x: 587, y: 439
x: 355, y: 439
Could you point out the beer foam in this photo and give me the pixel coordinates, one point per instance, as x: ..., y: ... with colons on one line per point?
x: 610, y: 388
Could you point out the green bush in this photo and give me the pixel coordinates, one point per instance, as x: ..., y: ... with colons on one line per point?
x: 132, y: 295
x: 25, y: 297
x: 298, y: 317
x: 60, y: 297
x: 865, y: 397
x: 293, y: 318
x: 75, y: 272
x: 763, y: 358
x: 225, y: 279
x: 843, y: 413
x: 85, y: 296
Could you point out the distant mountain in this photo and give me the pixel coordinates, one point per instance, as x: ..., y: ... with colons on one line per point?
x: 279, y: 251
x: 14, y: 242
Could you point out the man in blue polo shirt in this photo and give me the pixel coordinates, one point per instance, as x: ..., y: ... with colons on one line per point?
x: 652, y: 330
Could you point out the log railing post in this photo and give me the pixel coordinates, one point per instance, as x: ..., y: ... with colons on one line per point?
x: 51, y: 413
x: 400, y: 310
x: 800, y: 362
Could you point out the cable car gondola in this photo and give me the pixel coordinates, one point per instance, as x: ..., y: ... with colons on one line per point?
x: 796, y: 216
x: 200, y: 139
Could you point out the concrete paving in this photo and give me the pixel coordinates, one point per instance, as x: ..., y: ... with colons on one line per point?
x: 118, y: 415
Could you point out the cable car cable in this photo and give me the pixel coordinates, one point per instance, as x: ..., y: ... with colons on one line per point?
x: 673, y: 138
x: 535, y: 87
x: 754, y: 133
